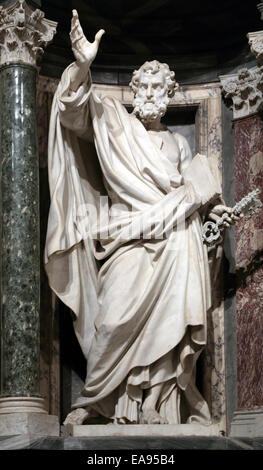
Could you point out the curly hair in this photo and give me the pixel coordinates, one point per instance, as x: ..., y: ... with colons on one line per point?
x: 154, y: 67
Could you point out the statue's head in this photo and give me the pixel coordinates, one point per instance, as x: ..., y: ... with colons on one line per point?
x: 153, y: 85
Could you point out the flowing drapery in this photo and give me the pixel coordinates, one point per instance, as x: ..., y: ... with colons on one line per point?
x: 141, y: 316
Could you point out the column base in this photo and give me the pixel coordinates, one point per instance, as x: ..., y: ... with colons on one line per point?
x: 247, y: 424
x: 22, y: 405
x: 29, y: 424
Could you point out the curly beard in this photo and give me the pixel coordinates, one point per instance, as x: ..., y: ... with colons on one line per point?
x: 148, y: 111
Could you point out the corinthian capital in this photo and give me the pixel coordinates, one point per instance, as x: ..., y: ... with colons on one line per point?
x: 23, y: 33
x: 260, y: 8
x: 255, y: 40
x: 245, y: 90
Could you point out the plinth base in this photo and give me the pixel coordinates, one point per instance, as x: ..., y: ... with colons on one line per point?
x: 247, y: 424
x: 31, y: 424
x: 143, y: 430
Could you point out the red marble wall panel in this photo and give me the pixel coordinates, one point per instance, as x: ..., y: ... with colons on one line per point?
x: 249, y: 244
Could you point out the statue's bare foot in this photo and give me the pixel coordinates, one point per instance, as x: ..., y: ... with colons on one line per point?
x: 77, y: 416
x: 150, y: 416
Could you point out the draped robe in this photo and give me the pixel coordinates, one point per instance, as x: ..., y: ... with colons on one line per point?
x: 139, y: 290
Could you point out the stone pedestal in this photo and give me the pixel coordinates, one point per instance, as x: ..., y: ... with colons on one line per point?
x: 247, y: 424
x: 22, y: 33
x: 33, y: 424
x: 143, y: 430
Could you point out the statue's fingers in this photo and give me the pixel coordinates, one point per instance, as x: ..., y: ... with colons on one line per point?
x: 229, y: 210
x: 214, y: 217
x: 74, y: 19
x: 99, y: 35
x: 79, y: 29
x: 73, y: 31
x: 75, y: 40
x: 76, y: 29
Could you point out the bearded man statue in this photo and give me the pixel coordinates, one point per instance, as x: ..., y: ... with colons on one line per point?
x: 138, y: 281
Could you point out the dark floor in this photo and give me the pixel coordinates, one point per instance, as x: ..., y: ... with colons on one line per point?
x: 130, y: 443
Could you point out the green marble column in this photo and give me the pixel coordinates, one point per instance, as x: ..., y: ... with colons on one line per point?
x: 23, y: 31
x: 20, y: 232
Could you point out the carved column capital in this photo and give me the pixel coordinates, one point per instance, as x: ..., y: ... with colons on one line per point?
x: 255, y: 40
x: 23, y: 33
x: 260, y: 8
x: 245, y: 90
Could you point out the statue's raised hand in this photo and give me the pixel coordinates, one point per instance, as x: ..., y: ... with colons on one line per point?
x: 83, y: 50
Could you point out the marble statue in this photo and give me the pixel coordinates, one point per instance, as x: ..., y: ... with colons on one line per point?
x: 124, y: 245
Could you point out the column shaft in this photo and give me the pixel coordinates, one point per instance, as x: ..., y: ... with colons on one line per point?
x: 20, y: 232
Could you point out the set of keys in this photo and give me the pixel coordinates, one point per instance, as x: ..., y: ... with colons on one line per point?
x: 212, y: 231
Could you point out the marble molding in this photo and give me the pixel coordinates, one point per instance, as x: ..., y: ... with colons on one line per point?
x: 23, y: 33
x: 21, y: 404
x: 206, y: 100
x: 49, y: 327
